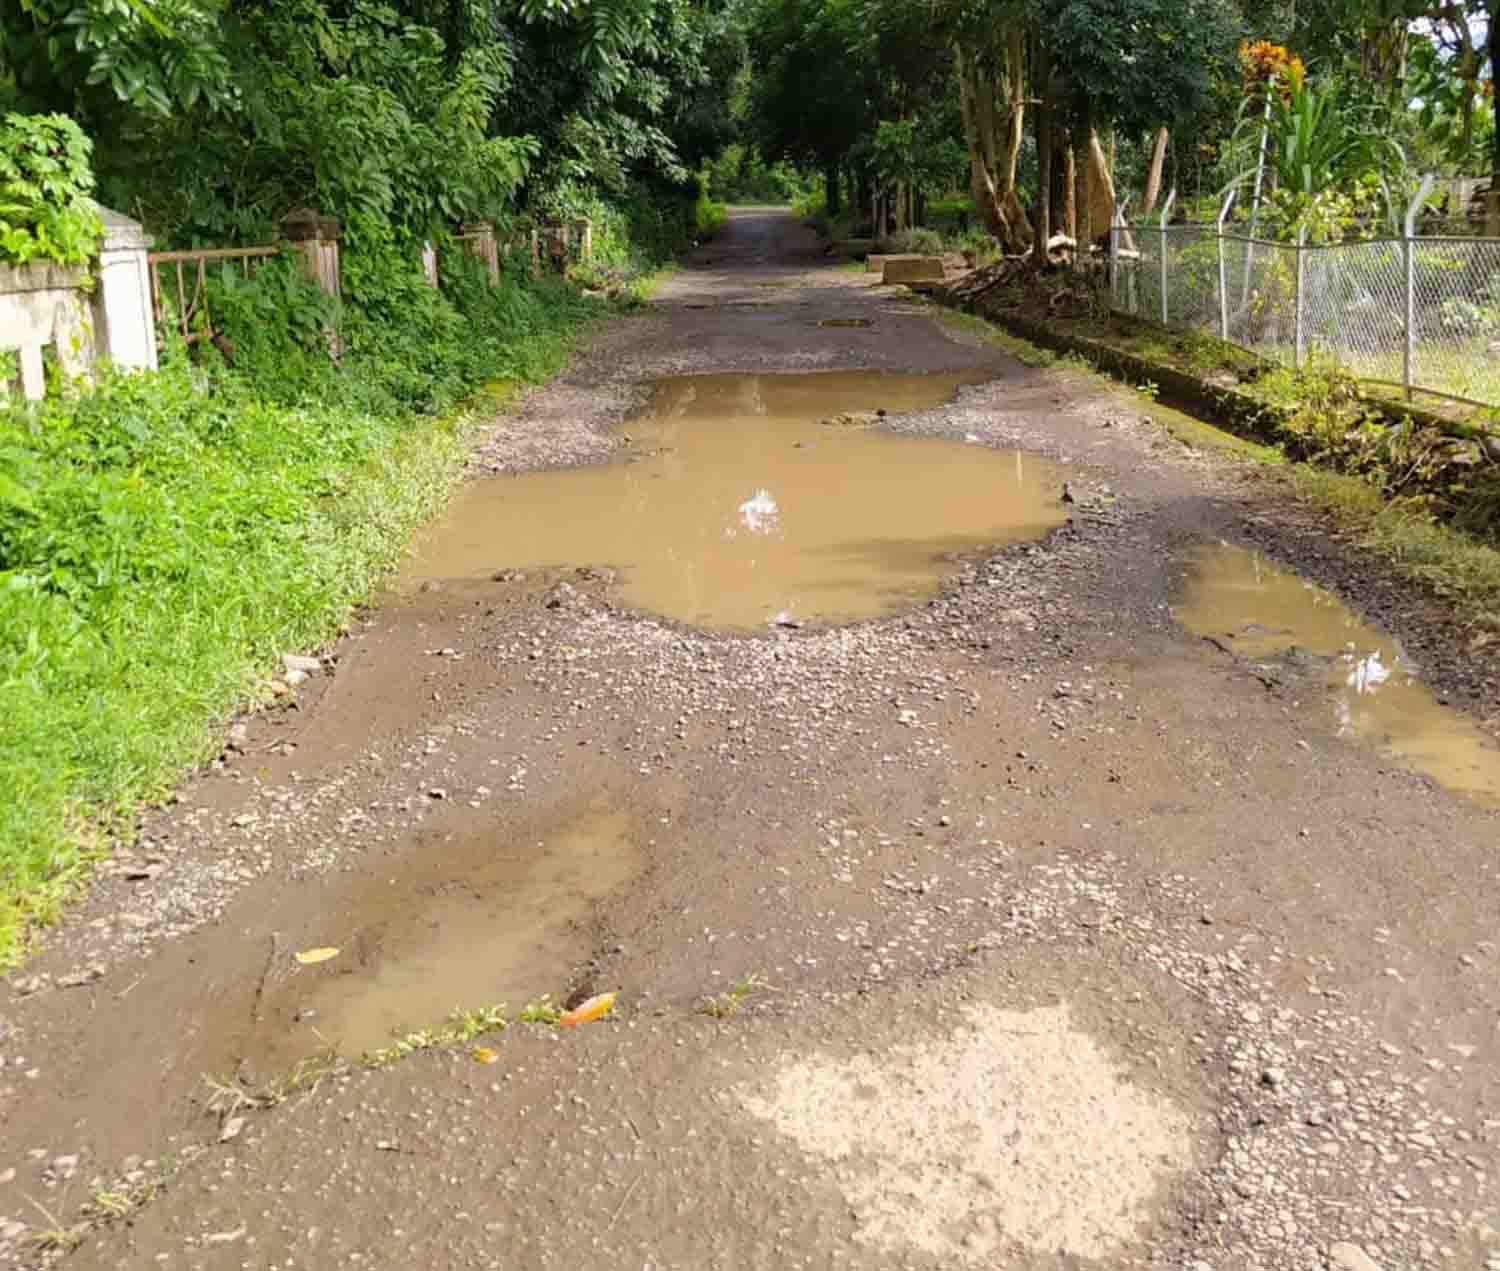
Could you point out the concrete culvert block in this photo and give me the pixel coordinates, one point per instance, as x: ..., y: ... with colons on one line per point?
x: 916, y: 272
x: 875, y: 261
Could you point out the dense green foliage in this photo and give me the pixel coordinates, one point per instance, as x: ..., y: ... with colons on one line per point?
x: 45, y: 180
x: 1005, y: 103
x: 214, y: 118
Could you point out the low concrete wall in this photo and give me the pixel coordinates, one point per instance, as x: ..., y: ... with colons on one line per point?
x: 42, y: 305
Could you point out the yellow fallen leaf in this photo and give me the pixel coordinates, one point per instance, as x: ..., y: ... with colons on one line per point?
x: 595, y: 1008
x: 484, y: 1055
x: 310, y: 957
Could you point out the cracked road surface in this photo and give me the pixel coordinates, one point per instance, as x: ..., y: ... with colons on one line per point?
x: 1018, y: 928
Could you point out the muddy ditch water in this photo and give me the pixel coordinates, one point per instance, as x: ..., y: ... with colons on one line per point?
x: 742, y: 500
x: 1374, y: 693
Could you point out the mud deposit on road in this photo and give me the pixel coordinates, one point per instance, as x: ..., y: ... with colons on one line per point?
x: 463, y: 921
x: 1016, y: 1128
x: 747, y: 499
x: 1257, y: 611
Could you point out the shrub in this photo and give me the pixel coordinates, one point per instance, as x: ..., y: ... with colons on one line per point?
x: 45, y: 180
x: 921, y: 242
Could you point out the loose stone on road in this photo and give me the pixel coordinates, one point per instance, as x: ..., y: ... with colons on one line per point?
x: 965, y: 906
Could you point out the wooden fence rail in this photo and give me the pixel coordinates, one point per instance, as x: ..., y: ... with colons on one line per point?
x: 192, y: 316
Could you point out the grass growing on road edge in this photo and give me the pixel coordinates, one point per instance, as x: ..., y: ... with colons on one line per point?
x: 1462, y: 570
x: 164, y: 537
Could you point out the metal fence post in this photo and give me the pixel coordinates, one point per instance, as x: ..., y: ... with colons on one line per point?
x: 1223, y: 272
x: 1409, y: 255
x: 1166, y: 211
x: 1299, y: 304
x: 1116, y: 233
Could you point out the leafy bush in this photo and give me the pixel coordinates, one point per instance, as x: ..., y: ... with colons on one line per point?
x: 45, y: 180
x: 741, y: 175
x: 921, y: 242
x: 708, y: 216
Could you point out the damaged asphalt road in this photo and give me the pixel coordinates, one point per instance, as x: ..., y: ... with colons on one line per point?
x: 1020, y: 927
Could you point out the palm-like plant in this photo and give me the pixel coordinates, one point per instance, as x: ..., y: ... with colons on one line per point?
x: 1317, y: 143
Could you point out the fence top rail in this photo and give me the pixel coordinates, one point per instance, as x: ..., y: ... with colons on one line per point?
x: 212, y: 253
x: 1207, y: 229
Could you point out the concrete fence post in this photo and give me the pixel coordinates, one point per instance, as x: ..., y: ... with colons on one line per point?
x: 124, y: 321
x: 1299, y: 304
x: 479, y: 241
x: 585, y: 229
x: 1409, y: 259
x: 1166, y: 212
x: 557, y: 245
x: 1223, y: 272
x: 316, y: 239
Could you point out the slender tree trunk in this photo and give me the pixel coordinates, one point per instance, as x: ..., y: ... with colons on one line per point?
x: 1154, y: 176
x: 1083, y: 152
x: 1068, y: 189
x: 1042, y: 76
x: 831, y: 189
x: 992, y: 158
x: 1101, y: 188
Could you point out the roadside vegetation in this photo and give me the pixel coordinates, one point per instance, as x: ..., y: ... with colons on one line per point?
x: 164, y: 537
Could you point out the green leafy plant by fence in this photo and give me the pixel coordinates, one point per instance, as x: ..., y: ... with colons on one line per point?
x: 45, y: 182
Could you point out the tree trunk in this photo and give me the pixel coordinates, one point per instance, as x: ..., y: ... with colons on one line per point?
x: 1042, y: 64
x: 1068, y: 188
x: 1083, y: 151
x: 992, y: 162
x: 831, y: 191
x: 1153, y: 177
x: 1101, y: 188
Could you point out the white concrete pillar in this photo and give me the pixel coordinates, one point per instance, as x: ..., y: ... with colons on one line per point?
x: 124, y: 323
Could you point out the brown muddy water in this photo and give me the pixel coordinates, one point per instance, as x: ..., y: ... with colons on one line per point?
x: 733, y: 505
x: 1374, y: 692
x: 466, y: 921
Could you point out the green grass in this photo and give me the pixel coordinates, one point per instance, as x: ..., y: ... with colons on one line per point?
x: 1459, y: 568
x: 165, y: 537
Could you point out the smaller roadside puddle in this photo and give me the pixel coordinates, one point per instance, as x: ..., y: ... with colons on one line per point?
x: 463, y: 921
x: 734, y: 504
x: 1261, y: 612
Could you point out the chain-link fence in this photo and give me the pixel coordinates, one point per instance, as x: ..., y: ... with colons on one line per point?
x: 1419, y: 313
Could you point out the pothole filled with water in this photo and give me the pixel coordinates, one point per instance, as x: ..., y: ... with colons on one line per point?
x: 734, y: 506
x: 1374, y: 692
x: 458, y: 921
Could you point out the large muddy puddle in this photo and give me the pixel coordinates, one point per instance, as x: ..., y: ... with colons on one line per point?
x: 1374, y: 692
x: 467, y: 921
x: 747, y: 499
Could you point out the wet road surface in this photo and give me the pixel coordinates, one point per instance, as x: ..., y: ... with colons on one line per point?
x: 966, y: 909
